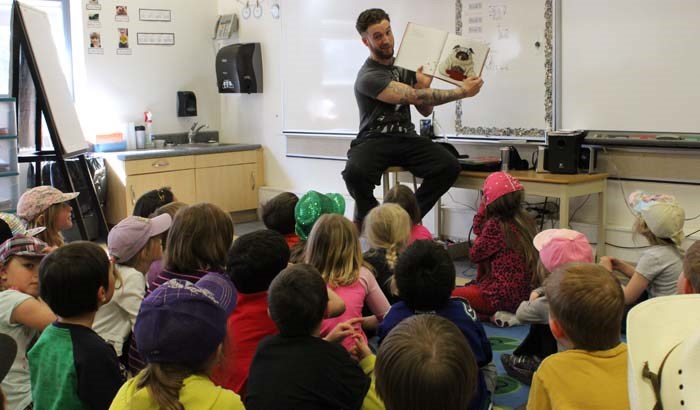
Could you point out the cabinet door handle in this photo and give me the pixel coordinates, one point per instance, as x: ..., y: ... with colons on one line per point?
x: 252, y: 181
x: 133, y: 195
x: 160, y: 163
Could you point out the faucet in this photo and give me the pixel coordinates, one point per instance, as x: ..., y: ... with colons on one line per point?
x: 194, y: 130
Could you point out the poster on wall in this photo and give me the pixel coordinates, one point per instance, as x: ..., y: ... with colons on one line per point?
x: 94, y: 20
x: 93, y: 5
x: 121, y: 14
x: 123, y: 43
x: 95, y: 45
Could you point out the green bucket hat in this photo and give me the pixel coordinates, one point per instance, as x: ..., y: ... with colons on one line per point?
x: 311, y: 206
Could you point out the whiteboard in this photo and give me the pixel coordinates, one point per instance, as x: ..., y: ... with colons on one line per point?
x: 630, y: 65
x: 516, y: 98
x: 59, y: 101
x: 323, y: 52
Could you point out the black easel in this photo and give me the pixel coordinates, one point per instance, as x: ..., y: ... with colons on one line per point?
x: 22, y: 49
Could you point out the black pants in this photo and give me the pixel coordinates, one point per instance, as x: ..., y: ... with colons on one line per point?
x: 539, y: 342
x: 368, y: 158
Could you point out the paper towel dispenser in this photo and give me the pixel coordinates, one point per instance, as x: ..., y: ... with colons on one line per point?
x: 239, y: 68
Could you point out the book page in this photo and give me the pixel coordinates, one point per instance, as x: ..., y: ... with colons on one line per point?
x: 461, y: 58
x: 420, y: 46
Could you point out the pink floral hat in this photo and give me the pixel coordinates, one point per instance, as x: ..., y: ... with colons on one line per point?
x: 38, y: 199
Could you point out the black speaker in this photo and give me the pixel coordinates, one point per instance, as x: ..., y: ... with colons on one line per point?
x: 563, y: 152
x: 239, y: 68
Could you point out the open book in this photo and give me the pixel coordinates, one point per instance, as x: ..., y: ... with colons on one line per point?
x: 442, y: 54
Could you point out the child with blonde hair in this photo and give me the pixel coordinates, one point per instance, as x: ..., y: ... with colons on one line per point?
x: 22, y: 314
x: 388, y: 230
x: 404, y: 197
x: 660, y: 221
x: 133, y: 244
x: 503, y: 249
x: 334, y: 249
x: 48, y: 207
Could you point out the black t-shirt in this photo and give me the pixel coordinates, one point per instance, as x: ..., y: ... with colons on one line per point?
x: 304, y: 372
x: 377, y: 117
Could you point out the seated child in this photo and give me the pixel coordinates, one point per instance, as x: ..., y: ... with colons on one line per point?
x: 663, y: 337
x: 404, y: 197
x: 278, y: 215
x: 585, y: 315
x: 180, y: 330
x: 253, y: 262
x: 388, y: 229
x: 22, y: 314
x: 557, y: 247
x: 297, y: 369
x: 417, y: 370
x: 198, y: 243
x: 70, y: 366
x: 11, y: 225
x: 689, y: 281
x: 152, y: 200
x: 425, y: 278
x: 48, y: 207
x: 660, y: 221
x: 334, y: 249
x: 134, y: 243
x: 502, y: 249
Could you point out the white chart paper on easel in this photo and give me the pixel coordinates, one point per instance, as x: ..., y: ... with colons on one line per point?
x: 59, y: 100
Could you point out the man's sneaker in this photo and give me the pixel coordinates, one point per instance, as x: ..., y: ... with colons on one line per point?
x: 520, y: 368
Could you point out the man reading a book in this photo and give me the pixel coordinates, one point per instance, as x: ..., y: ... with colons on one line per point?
x: 387, y: 137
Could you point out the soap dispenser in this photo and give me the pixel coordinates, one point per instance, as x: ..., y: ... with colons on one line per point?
x: 186, y: 104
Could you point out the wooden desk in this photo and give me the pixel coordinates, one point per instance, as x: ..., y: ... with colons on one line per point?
x: 560, y: 186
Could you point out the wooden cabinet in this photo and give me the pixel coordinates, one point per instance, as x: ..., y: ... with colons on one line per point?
x: 181, y: 182
x: 229, y: 179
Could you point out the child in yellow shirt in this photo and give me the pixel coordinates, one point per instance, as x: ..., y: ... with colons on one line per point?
x: 585, y: 314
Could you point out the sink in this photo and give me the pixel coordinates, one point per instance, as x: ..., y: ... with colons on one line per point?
x: 202, y: 145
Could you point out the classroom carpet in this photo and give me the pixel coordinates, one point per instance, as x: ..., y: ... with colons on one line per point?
x: 510, y: 393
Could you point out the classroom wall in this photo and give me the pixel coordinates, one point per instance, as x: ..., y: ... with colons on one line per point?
x: 116, y: 89
x: 258, y: 119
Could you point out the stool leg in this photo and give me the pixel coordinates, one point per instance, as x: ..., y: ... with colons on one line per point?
x: 385, y: 183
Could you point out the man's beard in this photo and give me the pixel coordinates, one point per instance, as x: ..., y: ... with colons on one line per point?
x: 383, y: 53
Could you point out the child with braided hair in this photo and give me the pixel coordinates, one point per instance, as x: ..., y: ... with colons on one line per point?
x: 388, y: 229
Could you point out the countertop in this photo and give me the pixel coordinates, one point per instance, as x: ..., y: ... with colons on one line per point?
x: 179, y: 150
